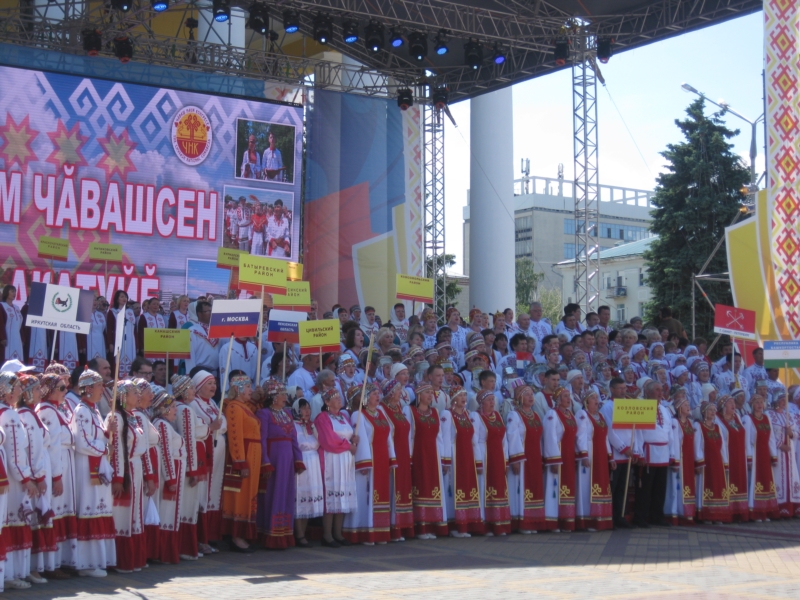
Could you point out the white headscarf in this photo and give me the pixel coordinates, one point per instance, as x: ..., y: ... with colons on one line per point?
x: 191, y: 313
x: 397, y: 322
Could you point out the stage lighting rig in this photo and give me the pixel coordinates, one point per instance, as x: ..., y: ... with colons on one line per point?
x: 159, y: 5
x: 604, y: 49
x: 441, y: 43
x: 499, y: 55
x: 396, y: 37
x: 473, y: 54
x: 373, y: 36
x: 323, y: 28
x: 221, y: 10
x: 123, y: 48
x: 405, y: 99
x: 440, y: 98
x: 350, y: 31
x: 92, y: 41
x: 418, y: 45
x: 121, y: 5
x: 561, y: 51
x: 291, y: 21
x: 258, y: 19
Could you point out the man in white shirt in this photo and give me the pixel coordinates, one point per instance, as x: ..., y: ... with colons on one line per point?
x: 651, y: 489
x: 278, y: 242
x: 756, y: 371
x: 604, y: 314
x: 204, y: 351
x: 244, y: 357
x: 538, y: 327
x: 305, y: 376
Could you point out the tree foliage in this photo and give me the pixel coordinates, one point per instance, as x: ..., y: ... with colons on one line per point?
x: 696, y: 198
x: 452, y: 289
x: 527, y: 282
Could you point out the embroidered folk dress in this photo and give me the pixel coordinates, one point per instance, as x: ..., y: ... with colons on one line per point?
x: 526, y: 490
x: 712, y: 483
x: 785, y: 472
x: 209, y: 523
x: 374, y: 461
x: 171, y: 465
x: 491, y: 458
x: 593, y: 494
x: 240, y: 494
x: 733, y: 435
x: 310, y: 493
x: 192, y: 429
x: 762, y: 454
x: 402, y: 515
x: 680, y: 504
x: 461, y: 482
x: 560, y: 432
x: 338, y: 466
x: 11, y: 320
x: 430, y: 512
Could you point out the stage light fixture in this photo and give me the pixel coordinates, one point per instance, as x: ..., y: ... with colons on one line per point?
x: 221, y: 10
x: 604, y: 49
x: 441, y: 43
x: 373, y: 36
x: 396, y: 38
x: 159, y: 5
x: 561, y: 51
x: 473, y: 54
x: 405, y: 99
x: 123, y: 48
x: 499, y: 56
x: 418, y: 45
x: 121, y: 5
x: 440, y: 98
x: 258, y: 19
x: 350, y: 31
x: 323, y: 28
x: 92, y: 41
x: 291, y: 21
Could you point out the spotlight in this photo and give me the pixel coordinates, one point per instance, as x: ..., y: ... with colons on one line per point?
x: 441, y: 42
x: 258, y: 19
x: 323, y: 28
x: 373, y: 36
x: 121, y: 5
x: 396, y: 38
x: 349, y: 31
x: 439, y: 98
x: 221, y: 10
x: 604, y: 45
x: 92, y: 41
x: 159, y: 5
x: 418, y: 45
x: 473, y: 54
x: 291, y: 21
x: 405, y: 99
x: 499, y: 56
x: 123, y: 48
x: 561, y: 51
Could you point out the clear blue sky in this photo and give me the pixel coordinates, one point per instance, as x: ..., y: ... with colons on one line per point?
x: 724, y: 62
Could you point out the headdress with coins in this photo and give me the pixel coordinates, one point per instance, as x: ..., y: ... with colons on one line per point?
x: 483, y: 394
x: 180, y: 385
x: 88, y: 378
x: 237, y: 384
x: 49, y: 383
x: 29, y: 383
x: 161, y: 403
x: 272, y: 388
x: 58, y: 369
x: 7, y: 382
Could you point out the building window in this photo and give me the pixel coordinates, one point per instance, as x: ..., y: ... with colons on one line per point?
x: 641, y: 277
x: 522, y: 248
x: 523, y: 223
x: 641, y: 309
x: 621, y: 313
x: 569, y: 226
x: 569, y: 251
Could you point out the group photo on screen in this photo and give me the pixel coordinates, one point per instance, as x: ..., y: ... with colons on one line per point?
x: 258, y: 221
x: 264, y: 151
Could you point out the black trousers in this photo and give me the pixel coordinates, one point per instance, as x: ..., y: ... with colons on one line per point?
x: 618, y: 490
x: 651, y: 491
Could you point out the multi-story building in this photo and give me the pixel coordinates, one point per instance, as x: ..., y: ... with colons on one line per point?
x: 545, y: 223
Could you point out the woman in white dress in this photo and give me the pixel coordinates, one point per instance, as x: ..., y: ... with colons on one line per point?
x: 96, y: 340
x: 128, y: 352
x: 310, y: 501
x: 11, y: 326
x: 785, y: 472
x: 338, y: 445
x: 560, y: 454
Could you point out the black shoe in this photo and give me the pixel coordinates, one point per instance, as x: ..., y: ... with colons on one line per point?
x: 331, y: 544
x: 342, y: 542
x: 302, y: 542
x: 248, y: 550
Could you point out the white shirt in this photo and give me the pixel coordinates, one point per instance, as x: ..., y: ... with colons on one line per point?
x: 277, y: 229
x: 204, y: 350
x: 243, y: 358
x: 303, y: 379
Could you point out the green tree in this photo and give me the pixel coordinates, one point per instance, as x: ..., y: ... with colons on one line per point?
x: 452, y: 289
x: 527, y: 283
x: 696, y: 198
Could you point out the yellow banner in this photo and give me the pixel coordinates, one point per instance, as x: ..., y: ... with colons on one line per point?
x: 413, y: 288
x: 160, y: 342
x: 228, y: 258
x: 319, y: 336
x: 53, y: 248
x: 257, y: 273
x: 105, y: 252
x: 294, y: 272
x: 298, y: 296
x: 642, y: 413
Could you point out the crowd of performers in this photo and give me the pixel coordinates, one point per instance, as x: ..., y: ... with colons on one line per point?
x: 429, y: 431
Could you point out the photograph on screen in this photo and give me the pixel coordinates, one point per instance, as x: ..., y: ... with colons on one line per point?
x: 204, y: 278
x: 264, y: 151
x: 258, y: 221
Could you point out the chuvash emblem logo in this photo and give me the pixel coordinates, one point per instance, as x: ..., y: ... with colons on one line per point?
x: 191, y: 135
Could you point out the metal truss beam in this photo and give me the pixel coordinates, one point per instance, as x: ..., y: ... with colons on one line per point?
x: 433, y: 158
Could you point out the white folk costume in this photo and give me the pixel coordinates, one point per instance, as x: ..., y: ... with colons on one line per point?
x: 146, y: 320
x: 172, y: 471
x: 400, y: 326
x: 3, y: 505
x: 11, y: 321
x: 490, y: 445
x: 38, y: 349
x: 68, y: 353
x: 338, y: 465
x: 277, y: 229
x: 193, y: 431
x: 96, y: 340
x: 593, y: 495
x: 128, y: 352
x: 204, y: 350
x: 538, y: 330
x: 150, y: 472
x: 244, y: 216
x: 62, y: 461
x: 310, y: 499
x: 211, y: 489
x: 560, y: 449
x: 244, y: 357
x: 785, y: 472
x: 303, y: 379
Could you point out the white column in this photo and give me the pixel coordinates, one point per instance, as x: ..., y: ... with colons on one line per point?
x: 491, y: 235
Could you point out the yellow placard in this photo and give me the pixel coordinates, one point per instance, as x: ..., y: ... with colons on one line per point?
x: 53, y: 248
x: 228, y: 258
x: 257, y: 273
x: 319, y: 336
x: 105, y: 252
x: 413, y: 288
x: 641, y: 413
x: 294, y: 272
x: 160, y: 342
x: 298, y: 294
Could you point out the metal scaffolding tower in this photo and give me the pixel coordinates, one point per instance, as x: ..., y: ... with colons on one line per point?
x: 433, y: 159
x: 586, y: 190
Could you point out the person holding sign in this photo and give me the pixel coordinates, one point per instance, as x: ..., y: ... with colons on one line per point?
x: 651, y: 491
x: 711, y: 461
x: 593, y: 495
x: 204, y: 349
x: 151, y: 318
x: 11, y: 321
x: 762, y: 456
x: 681, y: 502
x: 560, y: 437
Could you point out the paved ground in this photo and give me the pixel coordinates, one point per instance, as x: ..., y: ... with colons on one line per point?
x: 728, y: 561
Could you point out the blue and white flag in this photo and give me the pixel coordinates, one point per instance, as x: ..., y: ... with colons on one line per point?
x: 60, y: 307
